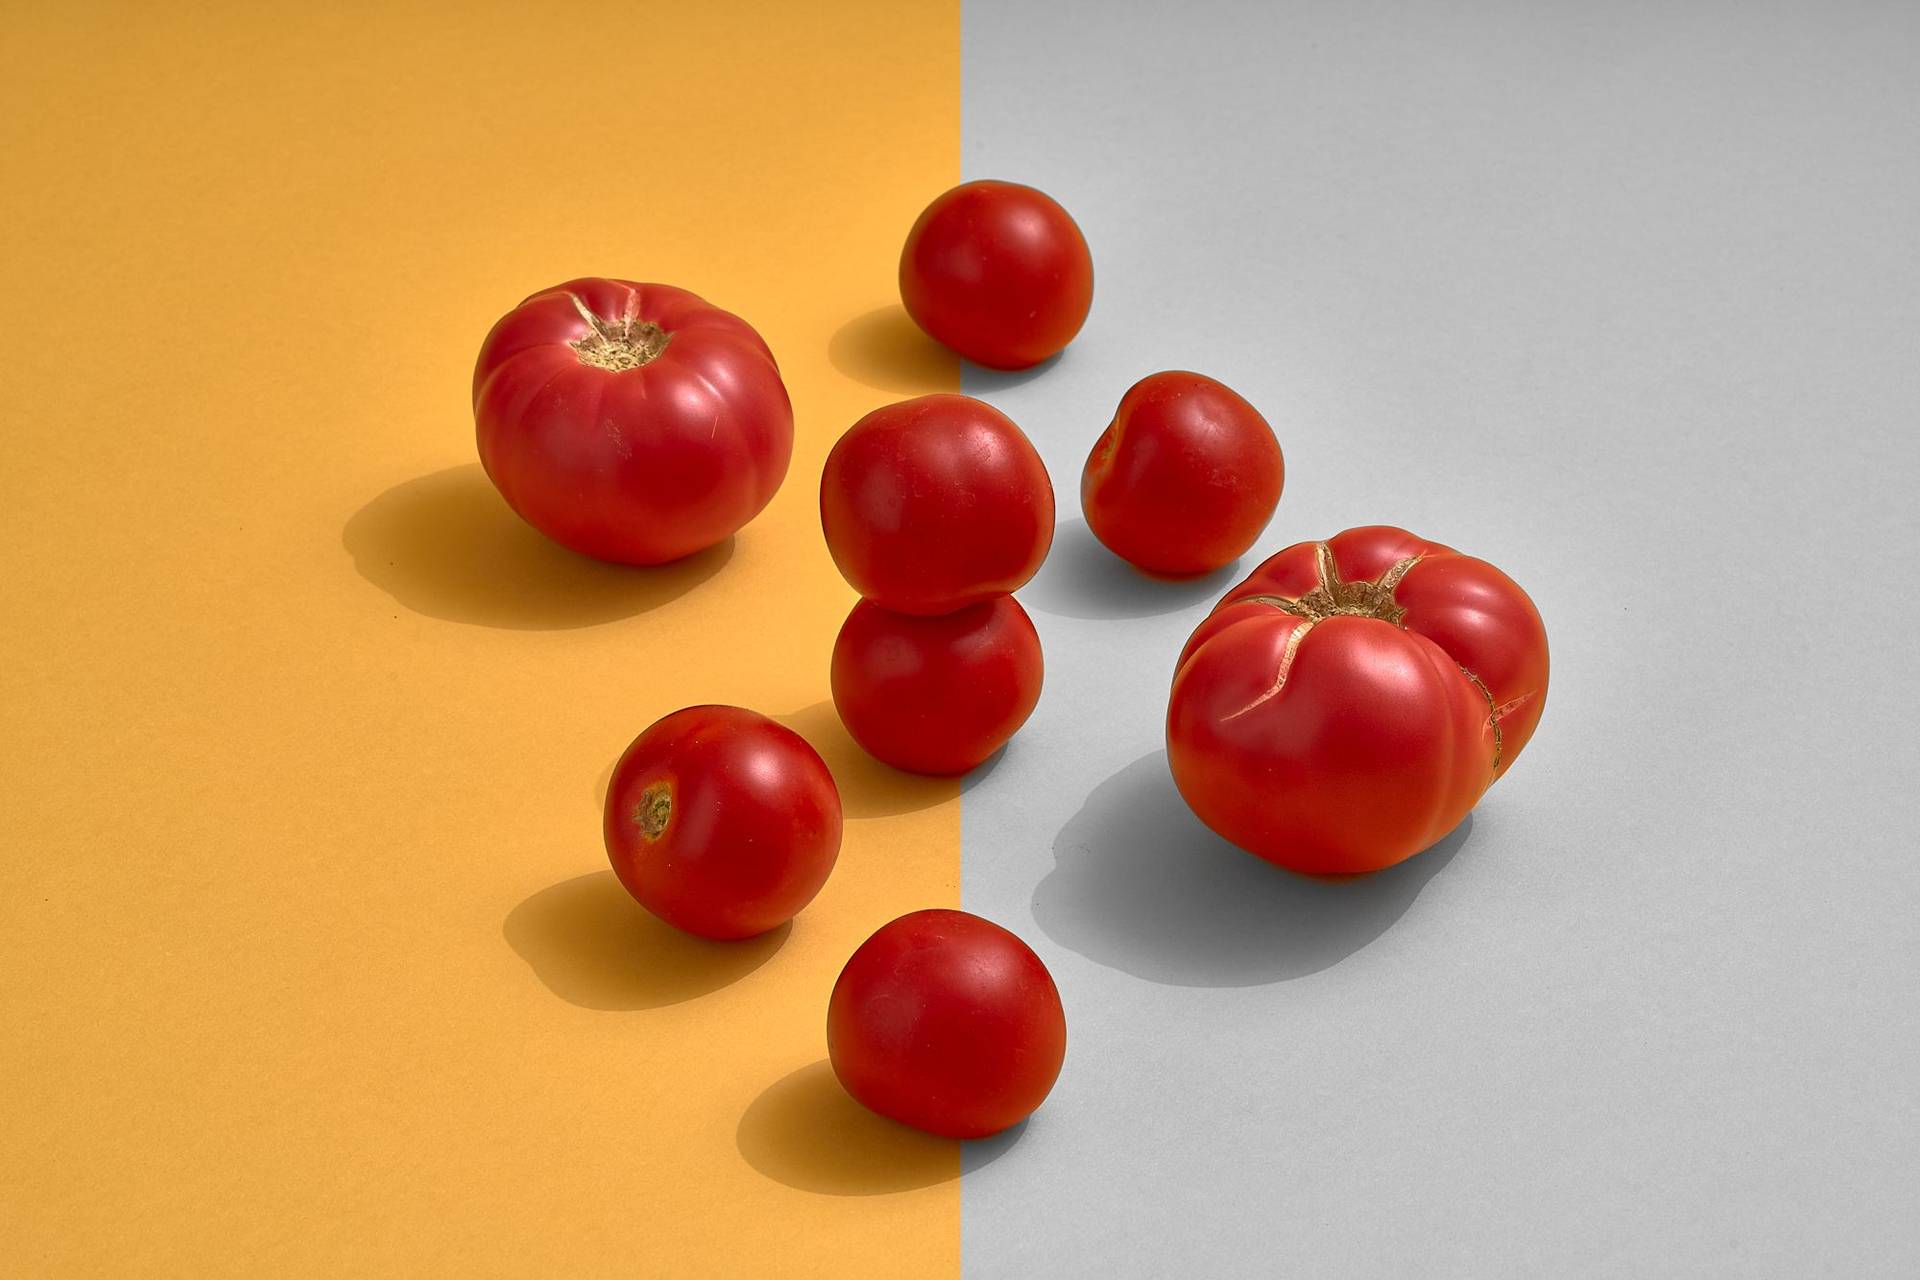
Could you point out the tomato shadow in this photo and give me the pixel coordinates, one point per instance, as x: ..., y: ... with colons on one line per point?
x: 982, y: 771
x: 884, y: 349
x: 868, y: 788
x: 978, y: 1153
x: 446, y: 545
x: 1141, y: 885
x: 979, y: 380
x: 1082, y: 579
x: 592, y: 945
x: 602, y: 783
x: 807, y: 1132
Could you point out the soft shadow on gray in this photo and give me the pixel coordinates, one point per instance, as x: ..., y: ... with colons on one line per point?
x: 1141, y: 885
x: 984, y: 770
x: 1082, y: 579
x: 447, y: 545
x: 592, y: 945
x: 981, y: 1152
x: 887, y: 351
x: 807, y: 1132
x: 978, y: 380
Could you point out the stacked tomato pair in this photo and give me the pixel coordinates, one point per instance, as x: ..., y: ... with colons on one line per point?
x: 936, y: 510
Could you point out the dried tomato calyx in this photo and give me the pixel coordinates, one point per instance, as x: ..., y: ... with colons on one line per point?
x: 618, y: 345
x: 1332, y: 597
x: 654, y: 811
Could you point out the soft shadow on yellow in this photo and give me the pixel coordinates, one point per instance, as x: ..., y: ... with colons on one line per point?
x: 602, y: 783
x: 806, y: 1132
x: 594, y: 946
x: 448, y: 546
x: 886, y: 350
x: 868, y: 789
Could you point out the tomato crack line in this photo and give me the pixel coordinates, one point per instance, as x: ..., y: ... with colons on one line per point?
x: 1280, y: 677
x: 1512, y: 705
x: 1493, y: 714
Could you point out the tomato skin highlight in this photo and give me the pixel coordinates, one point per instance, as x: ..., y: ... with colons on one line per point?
x: 642, y: 464
x: 1337, y: 731
x: 936, y: 695
x: 721, y: 822
x: 1185, y: 477
x: 948, y: 1023
x: 999, y: 273
x: 933, y: 504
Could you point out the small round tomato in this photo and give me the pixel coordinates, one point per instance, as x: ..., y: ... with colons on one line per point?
x: 631, y: 422
x: 947, y: 1022
x: 933, y: 504
x: 1184, y: 478
x: 936, y: 695
x: 1346, y: 705
x: 722, y: 822
x: 998, y: 272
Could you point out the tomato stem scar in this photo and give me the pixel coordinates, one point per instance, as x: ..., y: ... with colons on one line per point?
x: 1332, y: 597
x: 627, y: 343
x: 654, y: 810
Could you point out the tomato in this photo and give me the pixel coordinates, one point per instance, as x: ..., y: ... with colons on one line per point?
x: 631, y: 422
x: 1184, y: 478
x: 934, y: 504
x: 1346, y: 705
x: 998, y: 272
x: 947, y: 1022
x: 722, y: 822
x: 936, y: 695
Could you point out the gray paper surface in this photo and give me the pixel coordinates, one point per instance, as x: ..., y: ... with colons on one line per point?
x: 1625, y: 299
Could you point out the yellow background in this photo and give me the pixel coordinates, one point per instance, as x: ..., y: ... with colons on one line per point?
x: 311, y: 959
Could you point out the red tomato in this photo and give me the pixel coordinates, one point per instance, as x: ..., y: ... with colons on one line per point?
x: 947, y: 1022
x: 934, y: 504
x: 631, y: 422
x: 936, y: 695
x: 721, y: 822
x: 1345, y: 706
x: 999, y: 273
x: 1185, y: 477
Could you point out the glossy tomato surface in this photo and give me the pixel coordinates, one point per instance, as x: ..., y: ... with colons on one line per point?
x: 1184, y: 478
x: 631, y: 422
x: 947, y: 1022
x: 998, y: 272
x: 933, y: 504
x: 722, y: 822
x: 1346, y: 705
x: 936, y: 695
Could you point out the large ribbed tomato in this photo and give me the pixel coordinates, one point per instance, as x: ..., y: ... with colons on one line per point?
x: 631, y: 422
x: 1346, y: 705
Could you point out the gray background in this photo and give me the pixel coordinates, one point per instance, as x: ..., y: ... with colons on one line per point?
x: 1623, y: 298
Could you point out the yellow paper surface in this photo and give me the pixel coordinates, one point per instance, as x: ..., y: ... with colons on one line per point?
x: 311, y: 960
